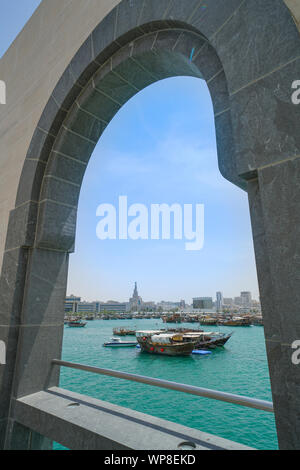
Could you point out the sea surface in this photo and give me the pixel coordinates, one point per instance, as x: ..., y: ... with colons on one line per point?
x: 239, y: 367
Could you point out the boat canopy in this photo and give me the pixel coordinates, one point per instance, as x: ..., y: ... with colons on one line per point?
x: 147, y: 332
x: 195, y: 334
x: 165, y: 338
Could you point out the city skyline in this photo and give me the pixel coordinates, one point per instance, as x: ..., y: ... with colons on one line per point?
x: 142, y: 298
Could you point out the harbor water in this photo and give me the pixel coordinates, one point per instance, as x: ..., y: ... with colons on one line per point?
x: 239, y: 367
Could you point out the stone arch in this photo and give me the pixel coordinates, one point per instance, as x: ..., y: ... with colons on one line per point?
x: 239, y: 49
x: 153, y: 56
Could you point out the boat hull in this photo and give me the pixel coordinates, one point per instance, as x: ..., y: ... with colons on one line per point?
x: 213, y: 343
x: 179, y: 349
x: 119, y: 345
x: 123, y: 332
x: 233, y: 323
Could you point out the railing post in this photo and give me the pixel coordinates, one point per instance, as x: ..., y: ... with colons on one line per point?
x: 20, y: 437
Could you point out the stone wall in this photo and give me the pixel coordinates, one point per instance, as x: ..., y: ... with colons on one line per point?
x: 31, y: 68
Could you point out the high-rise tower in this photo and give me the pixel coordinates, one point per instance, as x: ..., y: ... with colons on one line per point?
x: 135, y: 292
x: 219, y: 301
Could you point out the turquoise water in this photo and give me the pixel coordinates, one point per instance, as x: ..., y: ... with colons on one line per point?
x: 240, y: 367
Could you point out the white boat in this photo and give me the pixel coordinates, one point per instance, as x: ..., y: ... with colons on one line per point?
x: 118, y: 343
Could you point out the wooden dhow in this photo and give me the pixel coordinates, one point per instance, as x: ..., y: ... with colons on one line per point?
x: 166, y: 344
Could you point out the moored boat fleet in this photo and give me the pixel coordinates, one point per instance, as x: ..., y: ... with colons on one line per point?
x: 171, y: 342
x: 176, y: 340
x: 231, y: 320
x: 204, y: 319
x: 213, y: 318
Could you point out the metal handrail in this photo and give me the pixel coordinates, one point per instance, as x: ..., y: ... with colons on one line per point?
x: 191, y: 389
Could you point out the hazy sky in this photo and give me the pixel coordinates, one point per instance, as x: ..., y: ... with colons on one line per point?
x: 159, y: 148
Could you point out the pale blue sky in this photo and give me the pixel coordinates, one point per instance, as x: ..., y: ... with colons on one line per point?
x: 159, y: 148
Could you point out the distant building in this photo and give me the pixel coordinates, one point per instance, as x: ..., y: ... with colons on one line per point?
x: 116, y: 307
x: 74, y: 305
x: 71, y: 304
x: 168, y: 305
x: 255, y: 304
x: 219, y: 301
x: 246, y: 299
x: 148, y: 306
x: 237, y: 301
x: 135, y: 301
x: 227, y: 301
x: 97, y: 304
x: 87, y: 307
x: 203, y: 303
